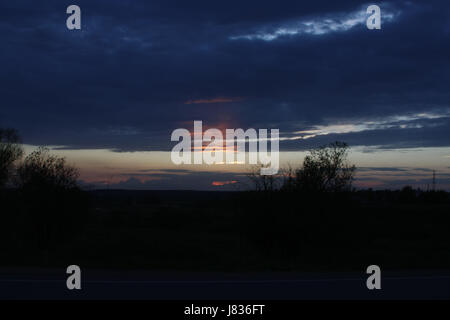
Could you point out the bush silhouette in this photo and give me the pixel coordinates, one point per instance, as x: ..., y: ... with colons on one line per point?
x: 41, y: 170
x: 325, y: 170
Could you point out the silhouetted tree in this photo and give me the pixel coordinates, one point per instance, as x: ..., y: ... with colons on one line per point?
x: 262, y: 182
x: 326, y: 169
x: 43, y: 170
x: 10, y: 151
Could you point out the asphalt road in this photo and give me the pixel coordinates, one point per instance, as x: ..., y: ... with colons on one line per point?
x: 96, y: 284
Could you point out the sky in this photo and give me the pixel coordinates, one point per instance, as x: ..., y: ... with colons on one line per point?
x: 108, y: 96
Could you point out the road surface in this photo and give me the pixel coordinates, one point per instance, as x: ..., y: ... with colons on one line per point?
x: 97, y: 284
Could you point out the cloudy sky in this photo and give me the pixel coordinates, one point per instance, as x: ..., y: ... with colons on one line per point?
x: 108, y: 96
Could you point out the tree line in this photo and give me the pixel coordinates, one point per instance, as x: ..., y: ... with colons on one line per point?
x: 40, y: 169
x: 325, y: 169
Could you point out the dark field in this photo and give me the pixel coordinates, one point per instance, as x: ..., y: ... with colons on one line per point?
x: 228, y: 231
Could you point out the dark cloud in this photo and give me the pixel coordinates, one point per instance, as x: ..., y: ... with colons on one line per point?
x: 123, y: 81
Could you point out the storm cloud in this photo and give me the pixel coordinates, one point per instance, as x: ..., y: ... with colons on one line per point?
x: 139, y: 69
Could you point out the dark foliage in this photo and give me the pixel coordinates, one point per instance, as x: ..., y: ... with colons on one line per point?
x: 324, y: 170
